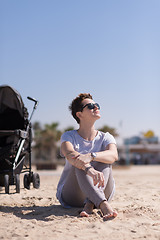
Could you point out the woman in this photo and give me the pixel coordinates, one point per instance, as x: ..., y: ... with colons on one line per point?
x: 87, y: 179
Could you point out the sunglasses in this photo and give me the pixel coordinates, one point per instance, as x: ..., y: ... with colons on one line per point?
x: 91, y: 106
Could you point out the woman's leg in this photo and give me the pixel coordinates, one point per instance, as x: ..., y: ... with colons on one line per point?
x: 100, y: 196
x: 74, y: 196
x: 110, y: 186
x: 79, y: 186
x: 93, y: 193
x: 109, y: 190
x: 71, y: 192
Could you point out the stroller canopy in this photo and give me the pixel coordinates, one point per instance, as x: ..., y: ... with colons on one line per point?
x: 12, y: 111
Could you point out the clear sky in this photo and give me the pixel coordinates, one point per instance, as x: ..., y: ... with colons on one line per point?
x: 55, y: 49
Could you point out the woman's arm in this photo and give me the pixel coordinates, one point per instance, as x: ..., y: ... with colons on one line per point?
x: 110, y: 155
x: 80, y: 161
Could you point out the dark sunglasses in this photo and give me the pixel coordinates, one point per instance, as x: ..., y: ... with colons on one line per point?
x: 91, y: 106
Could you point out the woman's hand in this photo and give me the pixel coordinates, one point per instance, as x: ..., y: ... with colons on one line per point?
x: 81, y: 160
x: 98, y: 177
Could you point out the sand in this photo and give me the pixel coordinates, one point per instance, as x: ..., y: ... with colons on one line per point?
x: 36, y: 213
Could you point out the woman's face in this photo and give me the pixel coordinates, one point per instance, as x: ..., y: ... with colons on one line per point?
x: 90, y: 114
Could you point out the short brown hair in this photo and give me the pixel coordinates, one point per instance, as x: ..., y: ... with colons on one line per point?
x: 76, y: 105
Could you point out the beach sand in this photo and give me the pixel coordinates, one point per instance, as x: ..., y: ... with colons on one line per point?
x: 36, y: 213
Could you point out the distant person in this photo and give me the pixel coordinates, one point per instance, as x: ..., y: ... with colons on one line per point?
x: 87, y: 179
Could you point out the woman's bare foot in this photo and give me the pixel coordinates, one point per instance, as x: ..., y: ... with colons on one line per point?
x: 108, y: 212
x: 87, y: 210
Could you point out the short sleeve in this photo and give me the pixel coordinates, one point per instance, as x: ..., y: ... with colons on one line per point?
x: 66, y: 137
x: 108, y: 139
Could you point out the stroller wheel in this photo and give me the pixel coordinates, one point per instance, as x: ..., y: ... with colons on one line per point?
x: 6, y: 183
x: 36, y: 180
x: 17, y: 183
x: 26, y: 181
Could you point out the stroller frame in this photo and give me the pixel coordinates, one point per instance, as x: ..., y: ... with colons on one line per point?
x: 16, y: 158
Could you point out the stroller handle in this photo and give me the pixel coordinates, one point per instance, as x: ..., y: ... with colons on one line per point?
x: 32, y: 99
x: 35, y: 106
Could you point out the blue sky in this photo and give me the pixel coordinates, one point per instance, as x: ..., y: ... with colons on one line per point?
x: 55, y: 49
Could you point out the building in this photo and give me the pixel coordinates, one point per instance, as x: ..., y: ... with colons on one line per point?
x: 137, y: 150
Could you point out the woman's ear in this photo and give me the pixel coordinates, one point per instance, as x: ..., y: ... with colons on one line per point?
x: 78, y: 114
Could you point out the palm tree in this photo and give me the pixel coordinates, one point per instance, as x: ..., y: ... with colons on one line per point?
x: 46, y: 143
x: 111, y: 130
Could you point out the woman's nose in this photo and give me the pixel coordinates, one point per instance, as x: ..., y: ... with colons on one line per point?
x: 95, y: 106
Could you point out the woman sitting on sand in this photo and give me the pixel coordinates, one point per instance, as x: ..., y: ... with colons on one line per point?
x: 87, y: 179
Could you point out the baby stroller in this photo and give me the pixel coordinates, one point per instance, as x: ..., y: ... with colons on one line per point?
x: 15, y: 140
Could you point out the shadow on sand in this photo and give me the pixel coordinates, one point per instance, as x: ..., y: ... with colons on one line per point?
x: 41, y: 213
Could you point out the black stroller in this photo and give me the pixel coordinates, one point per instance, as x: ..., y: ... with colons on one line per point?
x: 15, y: 141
